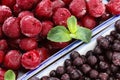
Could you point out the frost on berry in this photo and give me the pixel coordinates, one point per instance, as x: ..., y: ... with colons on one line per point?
x: 11, y: 27
x: 30, y: 26
x: 78, y: 8
x: 5, y: 12
x: 30, y: 59
x: 114, y: 6
x: 96, y: 8
x: 44, y: 9
x: 28, y: 44
x: 12, y: 60
x: 61, y: 15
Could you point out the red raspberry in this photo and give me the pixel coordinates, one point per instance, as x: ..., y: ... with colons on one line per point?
x: 25, y: 4
x: 16, y: 9
x: 78, y: 8
x: 2, y: 72
x: 114, y: 6
x: 12, y: 60
x: 30, y: 59
x: 5, y: 12
x: 43, y: 53
x: 61, y: 15
x: 67, y: 2
x: 89, y: 22
x: 28, y: 44
x: 46, y: 27
x: 30, y: 26
x: 9, y: 3
x: 3, y: 45
x: 11, y: 27
x: 1, y: 56
x: 44, y: 9
x: 96, y: 8
x: 57, y: 4
x: 25, y: 13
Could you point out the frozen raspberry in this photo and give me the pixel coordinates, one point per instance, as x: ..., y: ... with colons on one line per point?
x: 61, y: 15
x: 30, y: 26
x: 57, y: 4
x: 13, y: 43
x: 9, y: 3
x: 5, y: 12
x: 25, y: 4
x: 46, y: 27
x: 89, y: 22
x: 44, y: 54
x: 25, y: 13
x: 2, y: 72
x: 12, y: 60
x: 78, y: 8
x: 1, y: 56
x: 3, y: 45
x: 28, y: 44
x: 16, y: 9
x: 11, y: 27
x: 67, y: 2
x: 96, y: 8
x: 30, y: 59
x: 114, y: 6
x: 44, y: 9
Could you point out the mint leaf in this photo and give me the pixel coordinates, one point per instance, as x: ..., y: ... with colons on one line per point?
x: 83, y: 34
x: 72, y: 24
x: 59, y: 34
x: 9, y: 75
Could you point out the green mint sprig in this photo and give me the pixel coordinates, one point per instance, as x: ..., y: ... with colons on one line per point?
x: 9, y: 75
x: 62, y: 34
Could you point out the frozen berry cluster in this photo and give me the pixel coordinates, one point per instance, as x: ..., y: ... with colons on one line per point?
x: 101, y: 63
x: 24, y: 25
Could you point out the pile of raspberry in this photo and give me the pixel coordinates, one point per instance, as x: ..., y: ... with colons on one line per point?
x: 24, y: 25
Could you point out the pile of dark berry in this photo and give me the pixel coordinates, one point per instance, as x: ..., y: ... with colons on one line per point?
x: 102, y: 63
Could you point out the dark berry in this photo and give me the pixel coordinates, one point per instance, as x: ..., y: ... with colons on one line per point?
x: 52, y: 73
x: 78, y: 61
x: 114, y: 68
x: 44, y: 78
x: 65, y: 77
x: 103, y: 76
x: 92, y: 60
x: 85, y: 68
x: 103, y: 65
x: 74, y: 55
x: 89, y: 53
x: 93, y: 73
x: 67, y: 62
x: 117, y: 26
x: 116, y: 46
x: 53, y: 78
x: 34, y: 78
x: 116, y: 58
x: 60, y: 70
x: 97, y: 50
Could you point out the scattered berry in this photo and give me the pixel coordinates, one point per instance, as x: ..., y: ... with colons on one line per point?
x: 3, y: 45
x: 2, y: 72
